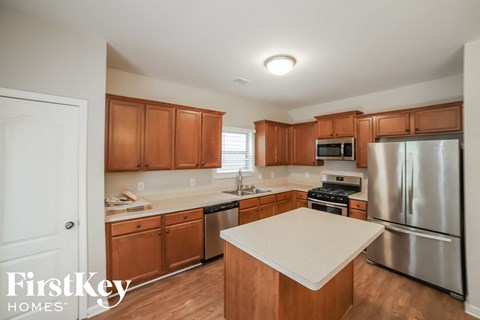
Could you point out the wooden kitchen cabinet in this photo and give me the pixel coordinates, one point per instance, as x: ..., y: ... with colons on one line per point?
x: 183, y: 240
x: 303, y: 140
x: 124, y: 136
x: 159, y: 137
x: 337, y: 125
x: 365, y: 134
x: 271, y: 143
x: 392, y: 124
x: 358, y: 209
x: 284, y: 202
x: 441, y: 118
x: 188, y: 139
x: 211, y: 155
x: 301, y: 199
x: 151, y: 135
x: 125, y: 261
x: 248, y: 215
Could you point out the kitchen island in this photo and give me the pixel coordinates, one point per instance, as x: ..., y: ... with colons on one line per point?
x: 296, y: 265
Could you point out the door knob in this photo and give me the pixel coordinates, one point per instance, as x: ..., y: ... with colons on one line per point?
x: 69, y: 225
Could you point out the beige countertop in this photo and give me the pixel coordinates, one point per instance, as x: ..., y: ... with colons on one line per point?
x: 362, y: 196
x: 308, y: 246
x: 162, y: 204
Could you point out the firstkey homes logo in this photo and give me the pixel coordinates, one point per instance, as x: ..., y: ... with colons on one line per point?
x: 24, y: 284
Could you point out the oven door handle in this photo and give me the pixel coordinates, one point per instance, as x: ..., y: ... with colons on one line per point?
x: 338, y: 205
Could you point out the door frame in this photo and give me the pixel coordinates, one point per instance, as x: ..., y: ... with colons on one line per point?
x: 82, y: 173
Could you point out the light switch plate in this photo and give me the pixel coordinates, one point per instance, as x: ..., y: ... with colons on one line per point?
x: 193, y: 182
x: 140, y: 186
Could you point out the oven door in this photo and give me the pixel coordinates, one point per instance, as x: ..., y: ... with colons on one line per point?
x: 329, y: 207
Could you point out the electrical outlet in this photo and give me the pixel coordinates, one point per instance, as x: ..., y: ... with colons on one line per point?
x: 193, y: 182
x: 260, y: 176
x: 140, y: 186
x: 307, y: 175
x: 272, y: 175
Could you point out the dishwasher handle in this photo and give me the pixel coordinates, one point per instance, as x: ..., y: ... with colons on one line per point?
x: 220, y: 207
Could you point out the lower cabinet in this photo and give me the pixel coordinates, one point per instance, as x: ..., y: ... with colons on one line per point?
x: 284, y: 202
x: 143, y: 249
x: 301, y: 199
x: 183, y: 244
x: 358, y: 209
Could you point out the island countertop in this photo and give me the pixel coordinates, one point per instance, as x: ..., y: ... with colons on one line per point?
x: 306, y: 245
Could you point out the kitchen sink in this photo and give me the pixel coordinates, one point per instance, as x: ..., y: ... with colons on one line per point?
x: 247, y: 192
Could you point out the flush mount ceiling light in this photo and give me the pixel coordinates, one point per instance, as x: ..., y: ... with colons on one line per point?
x: 280, y: 64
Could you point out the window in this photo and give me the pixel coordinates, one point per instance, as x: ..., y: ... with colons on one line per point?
x: 237, y: 152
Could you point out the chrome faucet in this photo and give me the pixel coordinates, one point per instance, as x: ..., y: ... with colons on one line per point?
x: 239, y: 180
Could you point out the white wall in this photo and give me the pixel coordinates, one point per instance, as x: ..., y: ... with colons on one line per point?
x: 420, y: 94
x: 38, y: 57
x: 472, y: 172
x: 239, y: 113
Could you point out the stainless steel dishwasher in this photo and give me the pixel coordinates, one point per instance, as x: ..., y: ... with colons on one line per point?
x: 217, y: 218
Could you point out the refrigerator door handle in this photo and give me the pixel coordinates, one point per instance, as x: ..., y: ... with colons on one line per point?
x: 417, y: 234
x: 410, y: 183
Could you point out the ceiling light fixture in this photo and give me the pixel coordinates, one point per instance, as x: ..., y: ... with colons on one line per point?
x: 280, y: 64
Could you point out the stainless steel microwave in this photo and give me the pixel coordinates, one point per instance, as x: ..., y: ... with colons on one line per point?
x: 335, y: 149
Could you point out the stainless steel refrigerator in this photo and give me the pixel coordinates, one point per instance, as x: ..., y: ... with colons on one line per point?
x: 414, y: 190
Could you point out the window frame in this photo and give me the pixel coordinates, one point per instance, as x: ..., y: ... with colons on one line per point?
x: 217, y: 174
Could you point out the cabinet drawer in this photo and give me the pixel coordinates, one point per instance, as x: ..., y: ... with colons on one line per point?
x: 357, y: 214
x: 284, y: 196
x: 249, y: 203
x: 301, y: 195
x: 183, y: 216
x: 359, y: 205
x: 119, y: 228
x: 267, y: 199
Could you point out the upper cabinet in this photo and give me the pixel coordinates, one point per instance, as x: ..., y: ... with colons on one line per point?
x: 364, y: 135
x: 124, y: 136
x: 393, y: 124
x: 336, y: 125
x: 159, y: 137
x: 442, y: 118
x: 151, y: 135
x: 271, y: 143
x: 303, y: 144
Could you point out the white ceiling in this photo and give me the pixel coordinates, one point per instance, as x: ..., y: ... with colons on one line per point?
x: 343, y: 48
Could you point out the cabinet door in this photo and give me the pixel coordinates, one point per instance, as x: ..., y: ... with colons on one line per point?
x: 159, y: 135
x: 267, y: 210
x: 284, y: 206
x: 183, y: 244
x: 281, y: 145
x: 124, y: 136
x: 344, y: 126
x: 137, y: 256
x: 364, y: 137
x: 248, y: 215
x: 395, y: 124
x: 211, y: 140
x: 304, y: 144
x: 187, y: 139
x: 438, y: 120
x: 325, y: 127
x: 270, y: 144
x: 302, y: 203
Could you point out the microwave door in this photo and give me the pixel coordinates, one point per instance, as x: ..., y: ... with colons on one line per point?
x: 329, y: 151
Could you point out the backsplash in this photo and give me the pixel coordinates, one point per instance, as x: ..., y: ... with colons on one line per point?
x: 172, y: 181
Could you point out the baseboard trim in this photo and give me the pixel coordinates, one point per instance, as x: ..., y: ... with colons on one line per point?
x: 95, y: 310
x: 472, y: 310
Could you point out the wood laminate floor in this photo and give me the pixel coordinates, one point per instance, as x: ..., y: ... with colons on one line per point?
x: 198, y: 294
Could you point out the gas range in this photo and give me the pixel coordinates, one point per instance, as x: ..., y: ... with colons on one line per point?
x: 330, y: 194
x: 335, y: 189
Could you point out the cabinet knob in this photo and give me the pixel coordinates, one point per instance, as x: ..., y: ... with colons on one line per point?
x: 416, y: 129
x: 203, y: 163
x: 168, y: 231
x: 407, y: 130
x: 185, y: 218
x: 159, y: 233
x: 139, y: 226
x: 138, y: 166
x: 146, y: 166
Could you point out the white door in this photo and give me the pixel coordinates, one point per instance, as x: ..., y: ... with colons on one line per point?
x: 39, y: 195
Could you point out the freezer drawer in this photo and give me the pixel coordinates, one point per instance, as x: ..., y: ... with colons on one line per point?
x: 428, y: 256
